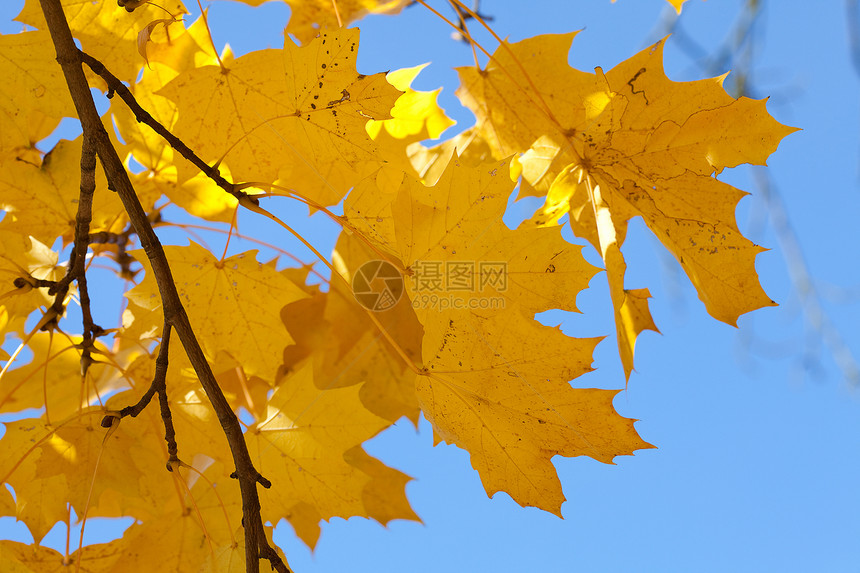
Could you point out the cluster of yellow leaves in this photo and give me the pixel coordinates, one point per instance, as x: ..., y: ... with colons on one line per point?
x: 317, y: 373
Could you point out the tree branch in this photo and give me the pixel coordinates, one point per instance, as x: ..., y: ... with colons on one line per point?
x: 69, y: 58
x: 143, y: 116
x: 77, y: 260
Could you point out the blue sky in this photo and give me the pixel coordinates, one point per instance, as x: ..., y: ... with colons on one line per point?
x: 758, y: 428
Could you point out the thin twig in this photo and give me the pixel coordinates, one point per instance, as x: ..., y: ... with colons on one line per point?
x: 158, y: 386
x: 77, y: 262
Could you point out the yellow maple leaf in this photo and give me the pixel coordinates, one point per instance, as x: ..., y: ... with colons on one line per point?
x: 106, y: 30
x: 301, y: 119
x: 33, y: 96
x: 608, y: 147
x: 229, y: 303
x: 494, y: 381
x: 51, y: 466
x: 52, y: 380
x: 42, y: 201
x: 23, y: 258
x: 347, y: 348
x: 455, y: 228
x: 498, y: 387
x: 301, y: 447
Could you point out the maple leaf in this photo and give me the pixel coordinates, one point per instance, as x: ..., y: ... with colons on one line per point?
x: 228, y: 302
x: 34, y: 96
x: 347, y: 348
x: 51, y: 466
x: 302, y: 443
x: 106, y: 30
x: 457, y: 223
x: 47, y: 381
x: 498, y: 387
x: 494, y: 381
x: 301, y: 119
x: 23, y: 259
x: 42, y: 201
x: 609, y: 147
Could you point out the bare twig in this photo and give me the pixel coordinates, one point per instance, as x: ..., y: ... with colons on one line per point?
x: 77, y: 260
x: 69, y: 57
x: 852, y: 18
x: 803, y: 281
x: 158, y: 386
x: 738, y: 53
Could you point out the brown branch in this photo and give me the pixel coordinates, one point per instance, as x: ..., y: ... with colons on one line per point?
x: 30, y: 281
x: 70, y: 60
x: 157, y: 386
x: 120, y: 241
x: 77, y: 260
x: 143, y: 116
x: 78, y: 256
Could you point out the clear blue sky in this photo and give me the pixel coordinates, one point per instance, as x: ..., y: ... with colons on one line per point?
x: 758, y: 430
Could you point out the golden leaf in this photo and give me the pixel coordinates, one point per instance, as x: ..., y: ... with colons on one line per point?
x: 42, y: 202
x: 647, y: 146
x: 33, y: 96
x: 301, y: 120
x: 229, y: 303
x: 498, y: 387
x: 301, y: 447
x: 106, y: 31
